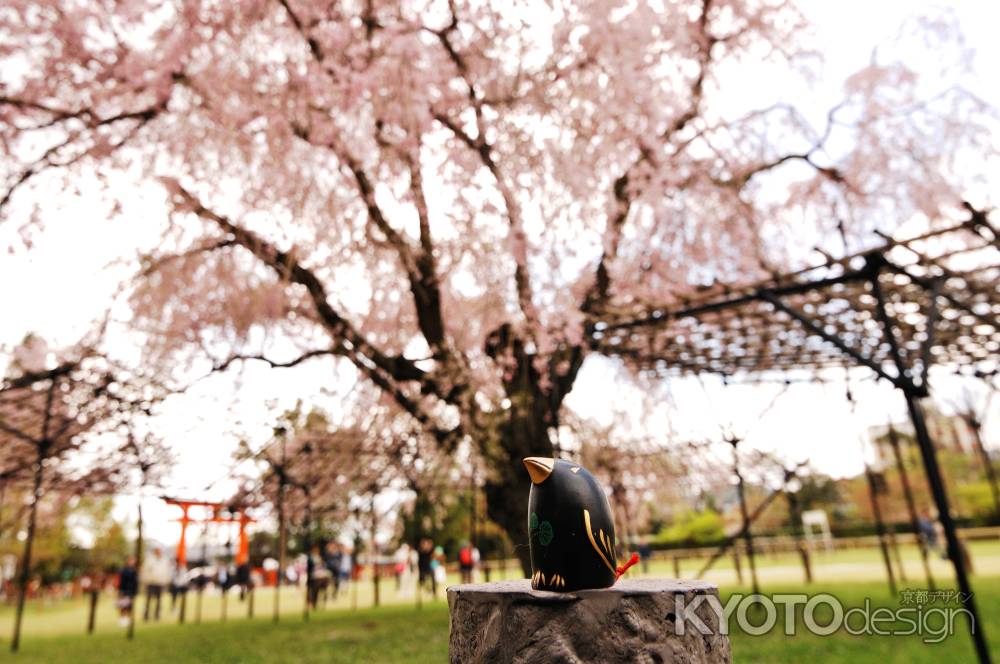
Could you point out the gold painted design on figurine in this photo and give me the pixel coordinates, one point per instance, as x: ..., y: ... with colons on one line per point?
x: 590, y: 536
x: 538, y: 581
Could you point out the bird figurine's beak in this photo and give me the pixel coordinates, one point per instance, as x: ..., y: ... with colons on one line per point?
x: 539, y: 468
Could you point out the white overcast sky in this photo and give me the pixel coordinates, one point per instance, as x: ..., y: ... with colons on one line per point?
x: 62, y: 284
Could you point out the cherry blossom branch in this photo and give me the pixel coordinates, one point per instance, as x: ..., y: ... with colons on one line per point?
x: 284, y: 263
x: 384, y: 370
x: 420, y: 266
x: 447, y: 437
x: 741, y: 179
x: 50, y: 158
x: 154, y: 265
x: 478, y: 144
x: 624, y: 188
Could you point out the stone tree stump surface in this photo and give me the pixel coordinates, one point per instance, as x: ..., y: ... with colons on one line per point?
x: 632, y: 621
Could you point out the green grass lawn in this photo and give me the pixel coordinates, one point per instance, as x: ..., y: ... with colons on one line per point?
x: 842, y: 647
x: 388, y: 634
x: 399, y: 632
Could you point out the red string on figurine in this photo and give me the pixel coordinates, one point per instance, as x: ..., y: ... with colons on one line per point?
x: 624, y: 568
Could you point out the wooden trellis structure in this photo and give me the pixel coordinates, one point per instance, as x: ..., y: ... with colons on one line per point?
x: 896, y: 309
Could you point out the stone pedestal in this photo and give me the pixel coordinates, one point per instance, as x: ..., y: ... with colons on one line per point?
x: 633, y: 621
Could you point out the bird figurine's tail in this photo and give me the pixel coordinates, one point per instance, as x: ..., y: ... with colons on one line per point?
x: 624, y: 568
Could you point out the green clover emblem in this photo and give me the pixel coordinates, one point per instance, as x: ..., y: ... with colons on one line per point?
x: 545, y: 533
x: 533, y: 521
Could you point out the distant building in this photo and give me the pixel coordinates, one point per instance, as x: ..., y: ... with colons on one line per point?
x: 949, y: 432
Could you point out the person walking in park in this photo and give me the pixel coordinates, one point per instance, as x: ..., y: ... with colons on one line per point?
x: 128, y: 588
x: 244, y: 579
x: 401, y: 564
x: 438, y: 574
x: 332, y: 556
x: 178, y: 584
x: 645, y: 553
x: 465, y: 562
x: 156, y: 575
x: 928, y: 531
x: 317, y: 576
x: 425, y: 555
x: 346, y: 566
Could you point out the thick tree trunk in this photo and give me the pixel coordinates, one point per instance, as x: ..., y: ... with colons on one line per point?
x: 506, y: 488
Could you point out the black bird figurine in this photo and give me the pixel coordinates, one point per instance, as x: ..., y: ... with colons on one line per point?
x: 571, y: 530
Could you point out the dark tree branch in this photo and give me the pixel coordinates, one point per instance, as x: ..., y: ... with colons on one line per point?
x: 484, y: 150
x: 419, y: 265
x: 232, y: 359
x: 624, y: 189
x: 17, y: 433
x: 153, y: 265
x: 384, y: 370
x: 50, y: 158
x: 349, y: 340
x: 31, y: 377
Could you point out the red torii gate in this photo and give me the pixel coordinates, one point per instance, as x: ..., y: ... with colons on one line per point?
x: 235, y: 515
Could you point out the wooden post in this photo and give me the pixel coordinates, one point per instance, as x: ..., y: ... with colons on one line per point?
x: 745, y: 516
x: 955, y: 548
x: 913, y: 393
x: 738, y: 565
x: 281, y: 530
x: 92, y: 611
x: 309, y: 561
x: 420, y: 592
x: 894, y: 543
x: 354, y: 582
x: 25, y: 575
x: 138, y: 573
x: 880, y: 528
x: 796, y: 516
x: 911, y: 507
x: 374, y: 554
x: 3, y: 494
x: 472, y: 505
